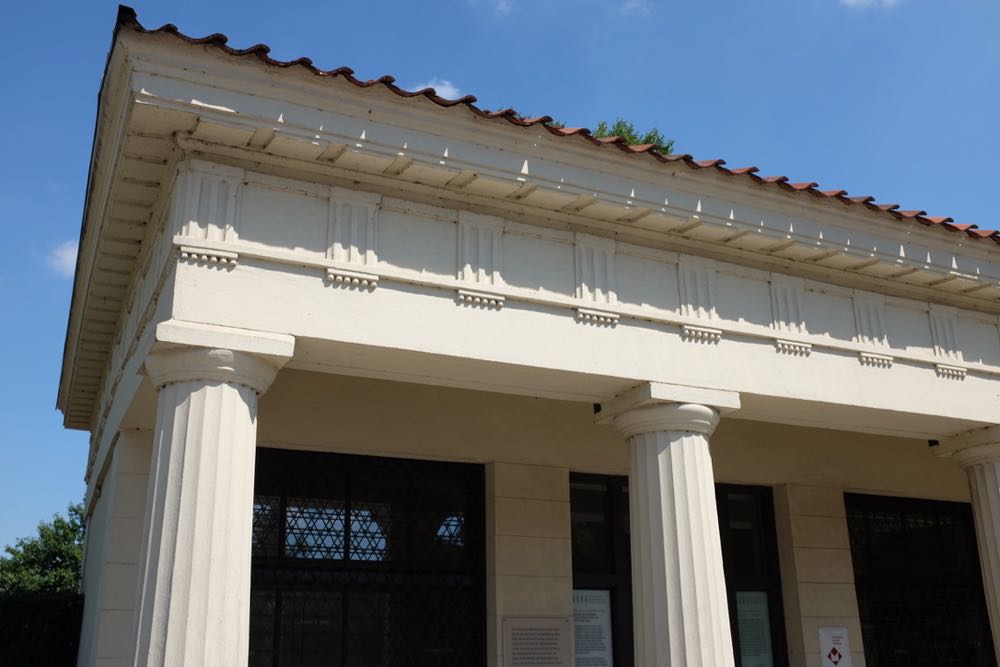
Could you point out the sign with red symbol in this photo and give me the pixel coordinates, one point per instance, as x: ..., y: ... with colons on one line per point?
x: 834, y: 647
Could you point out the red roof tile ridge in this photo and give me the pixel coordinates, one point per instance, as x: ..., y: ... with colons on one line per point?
x: 127, y: 18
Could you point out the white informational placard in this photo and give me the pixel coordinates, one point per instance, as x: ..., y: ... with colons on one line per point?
x: 834, y: 647
x: 754, y: 625
x: 592, y: 628
x: 536, y: 642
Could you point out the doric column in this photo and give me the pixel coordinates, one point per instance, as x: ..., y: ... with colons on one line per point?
x: 681, y: 614
x: 979, y: 454
x: 194, y: 570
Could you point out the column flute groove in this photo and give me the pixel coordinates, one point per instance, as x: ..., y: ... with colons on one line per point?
x: 978, y: 452
x: 984, y: 483
x: 194, y: 589
x: 680, y: 607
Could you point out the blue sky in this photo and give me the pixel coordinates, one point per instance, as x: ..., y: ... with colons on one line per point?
x: 895, y: 98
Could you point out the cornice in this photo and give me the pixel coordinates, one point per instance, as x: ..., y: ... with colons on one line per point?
x: 559, y: 222
x: 338, y: 97
x: 109, y: 131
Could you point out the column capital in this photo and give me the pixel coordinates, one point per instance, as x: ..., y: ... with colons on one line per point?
x: 980, y: 445
x: 194, y: 364
x: 192, y: 351
x: 682, y: 417
x: 651, y: 394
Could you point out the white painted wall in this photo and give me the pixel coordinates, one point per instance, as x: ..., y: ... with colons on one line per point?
x: 531, y: 445
x: 114, y: 533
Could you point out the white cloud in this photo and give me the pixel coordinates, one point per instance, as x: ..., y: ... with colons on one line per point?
x: 869, y: 3
x: 62, y: 259
x: 635, y: 7
x: 443, y: 87
x: 503, y: 6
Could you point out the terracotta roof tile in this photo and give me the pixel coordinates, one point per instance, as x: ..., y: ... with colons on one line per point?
x: 127, y: 19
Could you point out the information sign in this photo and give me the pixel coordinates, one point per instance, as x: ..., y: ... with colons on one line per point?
x: 592, y: 628
x: 536, y: 642
x: 754, y: 624
x: 834, y: 647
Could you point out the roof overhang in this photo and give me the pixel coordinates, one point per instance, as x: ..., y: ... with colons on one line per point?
x: 165, y: 96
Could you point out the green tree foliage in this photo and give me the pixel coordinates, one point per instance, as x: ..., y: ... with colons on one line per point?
x: 50, y: 561
x: 626, y: 130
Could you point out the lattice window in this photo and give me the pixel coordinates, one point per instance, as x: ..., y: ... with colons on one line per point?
x: 367, y: 562
x: 450, y: 530
x: 920, y: 593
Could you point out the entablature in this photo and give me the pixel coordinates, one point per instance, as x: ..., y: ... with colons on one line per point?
x: 597, y: 279
x: 530, y: 219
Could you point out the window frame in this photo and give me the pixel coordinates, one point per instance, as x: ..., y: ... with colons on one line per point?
x: 283, y: 474
x: 770, y: 583
x: 618, y: 582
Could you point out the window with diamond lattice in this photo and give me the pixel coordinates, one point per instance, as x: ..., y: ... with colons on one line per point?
x: 920, y: 592
x: 366, y: 562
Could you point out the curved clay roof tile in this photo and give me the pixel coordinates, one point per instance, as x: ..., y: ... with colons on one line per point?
x: 127, y: 19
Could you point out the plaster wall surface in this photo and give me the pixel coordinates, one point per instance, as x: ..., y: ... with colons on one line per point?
x: 817, y: 575
x: 531, y: 445
x: 529, y: 554
x: 94, y: 573
x: 114, y: 535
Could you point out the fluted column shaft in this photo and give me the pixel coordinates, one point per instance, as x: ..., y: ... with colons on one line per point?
x: 680, y: 609
x: 982, y: 463
x: 194, y: 579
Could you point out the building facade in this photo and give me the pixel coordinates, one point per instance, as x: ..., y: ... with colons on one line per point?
x: 379, y: 378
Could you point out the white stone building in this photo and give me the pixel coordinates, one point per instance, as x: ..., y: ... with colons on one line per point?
x: 377, y: 378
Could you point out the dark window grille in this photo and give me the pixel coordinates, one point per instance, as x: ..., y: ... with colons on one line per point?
x: 367, y: 562
x: 753, y: 577
x: 599, y: 508
x: 601, y: 550
x: 919, y: 587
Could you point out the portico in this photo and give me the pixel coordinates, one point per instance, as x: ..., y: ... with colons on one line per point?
x: 338, y: 278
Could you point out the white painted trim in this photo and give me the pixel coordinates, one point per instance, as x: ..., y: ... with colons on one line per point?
x: 597, y: 317
x: 357, y: 279
x: 480, y: 299
x: 196, y: 334
x: 875, y: 359
x: 651, y: 393
x: 389, y: 274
